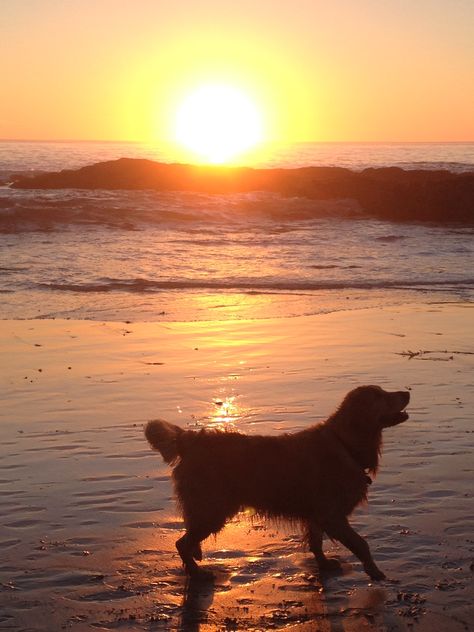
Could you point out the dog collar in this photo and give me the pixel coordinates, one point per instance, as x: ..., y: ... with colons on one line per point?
x: 368, y: 480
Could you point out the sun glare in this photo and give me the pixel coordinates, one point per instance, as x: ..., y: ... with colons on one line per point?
x: 217, y: 123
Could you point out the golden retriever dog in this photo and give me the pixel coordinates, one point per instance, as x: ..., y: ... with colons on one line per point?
x: 315, y: 477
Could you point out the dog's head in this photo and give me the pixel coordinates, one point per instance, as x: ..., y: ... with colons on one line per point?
x: 362, y: 416
x: 377, y: 408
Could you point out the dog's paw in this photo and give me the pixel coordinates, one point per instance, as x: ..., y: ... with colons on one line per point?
x: 330, y: 565
x: 201, y: 574
x: 376, y: 575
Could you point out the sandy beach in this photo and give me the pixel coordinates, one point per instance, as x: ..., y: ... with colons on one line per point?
x: 88, y: 522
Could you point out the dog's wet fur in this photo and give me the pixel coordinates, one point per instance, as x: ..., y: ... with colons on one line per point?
x: 315, y: 477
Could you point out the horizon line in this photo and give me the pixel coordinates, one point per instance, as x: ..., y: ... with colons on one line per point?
x: 274, y: 142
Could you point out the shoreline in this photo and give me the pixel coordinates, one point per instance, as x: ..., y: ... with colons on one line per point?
x: 189, y: 306
x: 88, y: 525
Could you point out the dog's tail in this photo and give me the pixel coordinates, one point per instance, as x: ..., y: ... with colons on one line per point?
x: 164, y: 437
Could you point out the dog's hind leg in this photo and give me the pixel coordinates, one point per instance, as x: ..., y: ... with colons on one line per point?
x: 189, y: 549
x: 341, y: 530
x: 196, y: 551
x: 315, y: 541
x: 189, y: 546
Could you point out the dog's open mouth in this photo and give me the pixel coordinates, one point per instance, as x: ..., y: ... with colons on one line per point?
x: 394, y: 419
x: 399, y: 401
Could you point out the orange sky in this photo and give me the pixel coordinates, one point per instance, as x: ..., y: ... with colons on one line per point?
x: 339, y: 70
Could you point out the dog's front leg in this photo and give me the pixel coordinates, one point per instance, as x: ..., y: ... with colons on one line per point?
x: 315, y: 541
x: 342, y: 531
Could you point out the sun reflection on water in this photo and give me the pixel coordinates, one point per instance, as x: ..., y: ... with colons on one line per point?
x: 225, y: 413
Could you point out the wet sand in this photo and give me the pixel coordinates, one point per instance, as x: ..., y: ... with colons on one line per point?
x: 88, y: 523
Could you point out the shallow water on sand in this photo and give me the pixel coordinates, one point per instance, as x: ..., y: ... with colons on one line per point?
x: 221, y: 269
x: 88, y: 522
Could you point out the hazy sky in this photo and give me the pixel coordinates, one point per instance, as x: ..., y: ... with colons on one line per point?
x: 375, y: 70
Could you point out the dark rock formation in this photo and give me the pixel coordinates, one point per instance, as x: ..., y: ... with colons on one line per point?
x: 389, y: 193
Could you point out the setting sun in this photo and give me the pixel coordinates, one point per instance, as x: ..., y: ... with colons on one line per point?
x: 218, y: 122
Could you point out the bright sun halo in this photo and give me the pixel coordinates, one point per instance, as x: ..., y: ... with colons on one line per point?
x: 218, y: 122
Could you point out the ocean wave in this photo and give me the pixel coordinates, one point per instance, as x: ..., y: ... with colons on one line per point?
x: 252, y: 285
x: 56, y: 210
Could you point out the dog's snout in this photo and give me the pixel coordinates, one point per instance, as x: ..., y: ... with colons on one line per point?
x: 406, y: 397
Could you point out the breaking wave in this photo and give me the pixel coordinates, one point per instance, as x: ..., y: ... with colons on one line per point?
x: 125, y: 210
x: 252, y: 285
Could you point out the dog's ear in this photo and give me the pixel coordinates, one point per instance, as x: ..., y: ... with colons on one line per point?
x: 357, y: 423
x: 364, y: 407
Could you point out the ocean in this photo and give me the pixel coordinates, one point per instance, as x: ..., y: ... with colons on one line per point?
x: 190, y: 307
x: 150, y: 256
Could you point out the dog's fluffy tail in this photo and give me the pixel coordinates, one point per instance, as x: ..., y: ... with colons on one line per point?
x: 164, y: 437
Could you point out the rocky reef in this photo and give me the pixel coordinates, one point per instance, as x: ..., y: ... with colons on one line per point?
x: 388, y: 193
